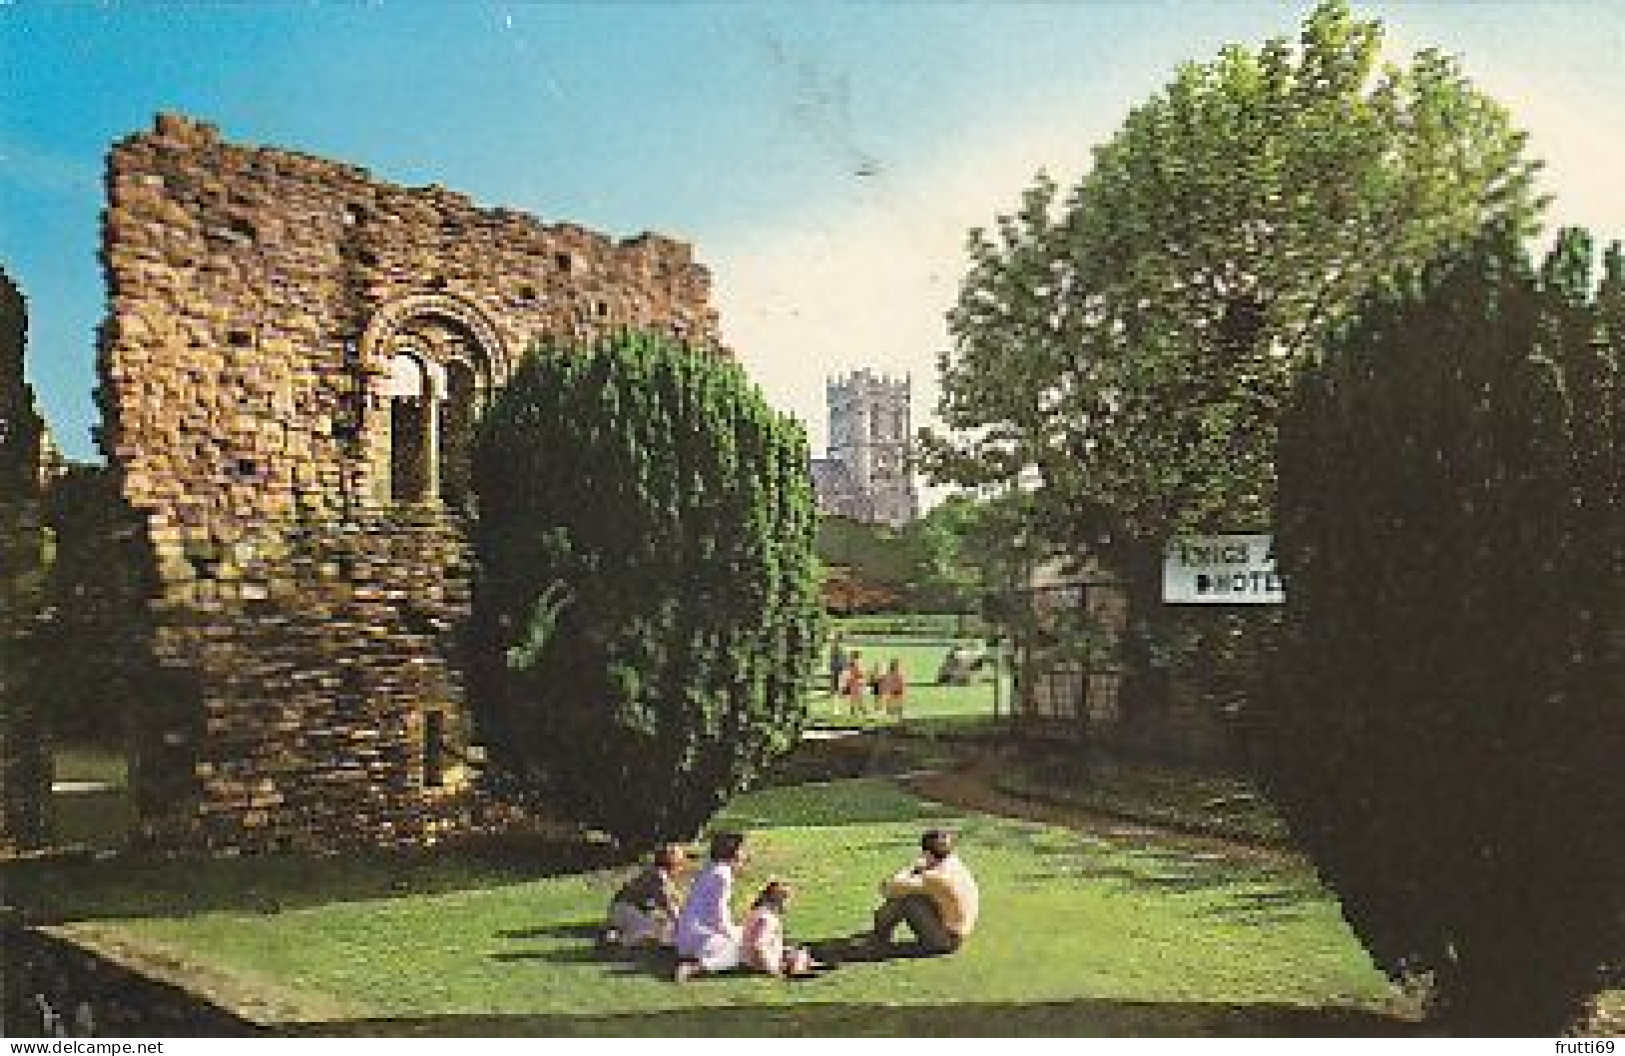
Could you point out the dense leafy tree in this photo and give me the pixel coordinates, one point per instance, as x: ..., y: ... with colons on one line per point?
x: 1447, y: 729
x: 1123, y: 349
x: 946, y: 561
x: 647, y: 589
x: 951, y: 553
x: 866, y: 566
x: 1128, y: 347
x: 24, y: 561
x: 93, y: 650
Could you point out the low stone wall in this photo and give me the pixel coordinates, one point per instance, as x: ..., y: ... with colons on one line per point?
x: 52, y: 987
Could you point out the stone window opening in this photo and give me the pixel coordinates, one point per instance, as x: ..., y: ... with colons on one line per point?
x: 351, y: 699
x: 436, y: 359
x: 458, y: 413
x: 434, y: 404
x: 411, y: 429
x: 434, y: 749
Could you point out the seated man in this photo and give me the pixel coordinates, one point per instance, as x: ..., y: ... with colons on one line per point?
x: 936, y: 897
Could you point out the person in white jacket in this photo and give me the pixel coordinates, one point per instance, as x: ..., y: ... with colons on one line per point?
x: 707, y: 937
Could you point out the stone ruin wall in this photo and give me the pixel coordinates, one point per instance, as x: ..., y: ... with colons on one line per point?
x: 307, y: 614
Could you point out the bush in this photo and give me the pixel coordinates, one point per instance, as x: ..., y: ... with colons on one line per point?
x: 1446, y: 723
x: 93, y: 651
x: 646, y: 610
x: 25, y: 777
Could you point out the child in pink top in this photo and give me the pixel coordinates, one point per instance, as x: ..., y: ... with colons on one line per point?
x: 763, y: 945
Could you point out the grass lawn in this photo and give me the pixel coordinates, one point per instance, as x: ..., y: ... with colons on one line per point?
x: 91, y: 807
x: 1081, y: 936
x: 925, y: 700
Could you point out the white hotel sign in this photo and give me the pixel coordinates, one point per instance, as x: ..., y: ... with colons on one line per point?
x: 1221, y: 570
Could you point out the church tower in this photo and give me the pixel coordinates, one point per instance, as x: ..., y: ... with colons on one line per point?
x: 867, y: 474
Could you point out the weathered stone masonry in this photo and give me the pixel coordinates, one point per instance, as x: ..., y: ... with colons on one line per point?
x: 292, y: 362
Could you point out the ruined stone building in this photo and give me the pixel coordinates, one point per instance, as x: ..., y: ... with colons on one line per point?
x: 867, y: 475
x: 293, y: 359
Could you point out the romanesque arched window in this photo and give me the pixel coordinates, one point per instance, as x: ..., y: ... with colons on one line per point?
x: 443, y: 359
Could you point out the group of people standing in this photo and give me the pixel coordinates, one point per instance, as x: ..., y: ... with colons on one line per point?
x: 848, y: 680
x: 936, y: 896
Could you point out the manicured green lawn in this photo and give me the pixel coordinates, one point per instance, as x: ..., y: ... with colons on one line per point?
x: 92, y: 807
x: 924, y: 700
x: 1081, y: 935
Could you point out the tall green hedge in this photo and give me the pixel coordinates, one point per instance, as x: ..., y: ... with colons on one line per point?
x: 24, y: 560
x: 1448, y: 724
x: 647, y: 607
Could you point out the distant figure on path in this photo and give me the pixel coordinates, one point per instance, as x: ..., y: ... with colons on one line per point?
x: 644, y: 911
x: 764, y: 945
x: 892, y: 687
x: 707, y: 937
x: 856, y: 684
x: 936, y: 896
x: 837, y: 665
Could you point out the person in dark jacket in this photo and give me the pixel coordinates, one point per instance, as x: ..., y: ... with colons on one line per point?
x: 644, y: 910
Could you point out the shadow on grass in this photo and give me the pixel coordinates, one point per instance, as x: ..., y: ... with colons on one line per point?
x: 1275, y: 905
x: 50, y: 891
x: 657, y: 961
x: 1091, y: 1018
x: 856, y: 802
x: 1249, y: 894
x: 587, y: 931
x: 866, y: 753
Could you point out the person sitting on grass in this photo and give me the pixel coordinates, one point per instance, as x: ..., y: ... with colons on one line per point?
x: 644, y: 911
x: 707, y: 938
x: 936, y: 896
x: 764, y: 945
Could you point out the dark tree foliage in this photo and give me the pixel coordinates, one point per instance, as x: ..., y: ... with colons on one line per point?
x: 647, y: 604
x: 24, y: 560
x: 1448, y: 723
x: 93, y: 651
x: 1121, y: 348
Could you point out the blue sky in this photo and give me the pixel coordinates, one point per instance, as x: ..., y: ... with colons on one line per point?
x: 826, y: 159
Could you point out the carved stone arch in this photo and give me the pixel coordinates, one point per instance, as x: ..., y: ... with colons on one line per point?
x: 397, y: 315
x: 463, y: 359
